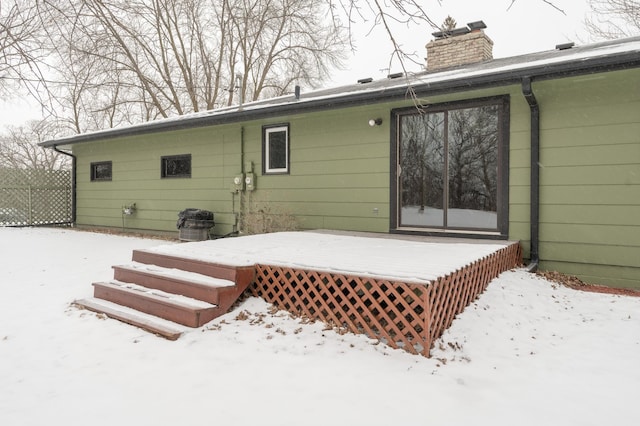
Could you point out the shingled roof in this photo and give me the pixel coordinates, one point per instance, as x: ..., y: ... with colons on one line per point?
x: 563, y: 61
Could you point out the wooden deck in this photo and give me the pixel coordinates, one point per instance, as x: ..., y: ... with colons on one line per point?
x: 181, y: 291
x: 403, y: 315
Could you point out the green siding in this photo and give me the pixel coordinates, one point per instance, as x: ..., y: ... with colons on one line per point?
x: 590, y: 177
x: 519, y: 170
x: 136, y: 178
x: 339, y: 173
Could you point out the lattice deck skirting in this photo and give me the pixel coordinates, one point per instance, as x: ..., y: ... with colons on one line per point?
x: 403, y: 315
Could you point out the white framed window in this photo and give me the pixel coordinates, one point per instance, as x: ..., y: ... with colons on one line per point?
x: 275, y: 149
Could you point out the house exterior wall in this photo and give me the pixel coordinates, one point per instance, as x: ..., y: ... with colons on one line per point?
x: 136, y: 178
x: 339, y: 173
x: 339, y: 170
x: 339, y: 177
x: 590, y: 177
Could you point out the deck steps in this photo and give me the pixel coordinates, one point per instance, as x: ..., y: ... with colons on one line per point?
x: 183, y: 292
x: 237, y: 274
x: 173, y: 307
x: 172, y: 280
x: 154, y: 324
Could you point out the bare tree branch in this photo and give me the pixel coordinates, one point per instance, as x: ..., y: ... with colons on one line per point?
x: 19, y: 149
x: 102, y: 63
x: 611, y: 19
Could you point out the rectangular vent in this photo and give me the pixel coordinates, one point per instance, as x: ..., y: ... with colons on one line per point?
x: 565, y: 46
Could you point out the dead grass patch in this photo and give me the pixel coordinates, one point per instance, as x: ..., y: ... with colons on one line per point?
x: 577, y: 284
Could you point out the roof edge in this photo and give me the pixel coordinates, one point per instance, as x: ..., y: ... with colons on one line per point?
x: 603, y: 63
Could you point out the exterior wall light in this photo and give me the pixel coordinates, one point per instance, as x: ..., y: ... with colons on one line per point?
x: 375, y: 122
x: 129, y: 209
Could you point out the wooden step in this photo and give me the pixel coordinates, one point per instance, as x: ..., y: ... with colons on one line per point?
x: 180, y: 309
x: 170, y: 280
x: 159, y: 326
x: 181, y: 290
x: 241, y: 275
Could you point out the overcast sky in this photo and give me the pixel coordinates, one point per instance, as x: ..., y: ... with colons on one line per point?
x: 527, y: 26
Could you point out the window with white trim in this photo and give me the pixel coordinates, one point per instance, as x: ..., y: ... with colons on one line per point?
x: 275, y: 149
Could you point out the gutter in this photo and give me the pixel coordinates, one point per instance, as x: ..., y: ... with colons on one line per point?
x: 73, y: 182
x: 534, y: 219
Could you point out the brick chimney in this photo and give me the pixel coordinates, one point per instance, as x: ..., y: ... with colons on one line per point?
x: 461, y: 46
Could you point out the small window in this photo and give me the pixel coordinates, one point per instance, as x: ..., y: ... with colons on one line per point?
x: 101, y: 171
x: 176, y: 166
x: 275, y: 149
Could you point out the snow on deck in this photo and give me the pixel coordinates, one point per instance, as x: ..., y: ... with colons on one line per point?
x: 386, y: 258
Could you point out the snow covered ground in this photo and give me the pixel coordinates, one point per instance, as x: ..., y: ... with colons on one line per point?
x: 527, y: 352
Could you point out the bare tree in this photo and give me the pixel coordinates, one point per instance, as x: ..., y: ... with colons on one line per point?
x: 391, y: 14
x: 277, y: 43
x: 20, y: 54
x: 388, y: 15
x: 130, y: 60
x: 89, y: 91
x: 611, y: 19
x: 19, y: 149
x: 473, y: 158
x: 422, y: 155
x: 103, y: 63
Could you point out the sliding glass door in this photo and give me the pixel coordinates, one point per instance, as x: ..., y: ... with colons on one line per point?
x: 449, y: 167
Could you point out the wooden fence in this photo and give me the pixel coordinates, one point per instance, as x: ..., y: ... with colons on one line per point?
x: 35, y: 197
x: 409, y: 316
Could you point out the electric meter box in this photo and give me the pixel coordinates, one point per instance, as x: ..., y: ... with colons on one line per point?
x: 237, y: 184
x: 250, y: 181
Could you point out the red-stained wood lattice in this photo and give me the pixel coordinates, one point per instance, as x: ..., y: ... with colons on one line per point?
x: 403, y: 315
